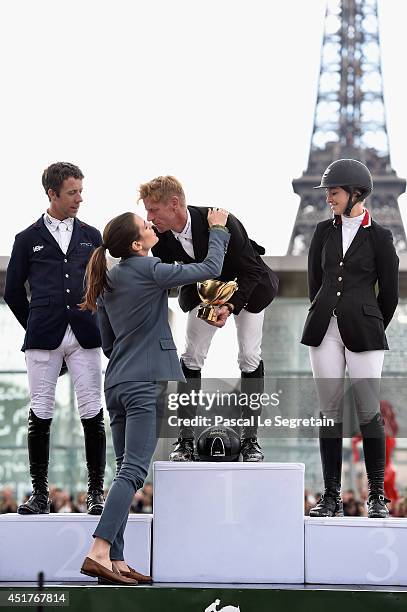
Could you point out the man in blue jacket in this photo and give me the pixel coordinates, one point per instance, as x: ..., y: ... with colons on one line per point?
x: 51, y: 255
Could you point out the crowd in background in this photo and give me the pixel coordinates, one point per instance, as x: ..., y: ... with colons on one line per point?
x: 63, y: 501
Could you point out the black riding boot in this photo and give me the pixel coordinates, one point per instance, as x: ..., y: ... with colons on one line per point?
x: 251, y: 383
x: 330, y: 446
x: 95, y: 450
x: 38, y: 453
x: 374, y: 448
x: 184, y: 446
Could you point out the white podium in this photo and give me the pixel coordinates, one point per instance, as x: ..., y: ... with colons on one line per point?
x: 57, y: 544
x: 356, y: 551
x: 228, y: 522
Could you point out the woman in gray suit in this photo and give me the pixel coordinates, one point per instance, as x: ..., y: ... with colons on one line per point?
x: 132, y: 306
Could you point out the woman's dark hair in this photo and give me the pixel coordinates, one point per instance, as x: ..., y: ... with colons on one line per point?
x: 351, y: 190
x: 118, y: 236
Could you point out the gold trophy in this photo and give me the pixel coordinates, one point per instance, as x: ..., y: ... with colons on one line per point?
x: 214, y: 293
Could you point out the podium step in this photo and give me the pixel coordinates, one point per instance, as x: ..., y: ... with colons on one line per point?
x: 356, y: 551
x: 57, y: 544
x: 228, y: 522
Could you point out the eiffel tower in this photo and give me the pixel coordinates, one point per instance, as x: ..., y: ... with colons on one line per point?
x: 349, y: 121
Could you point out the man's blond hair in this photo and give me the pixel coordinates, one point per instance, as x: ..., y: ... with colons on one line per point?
x: 161, y: 188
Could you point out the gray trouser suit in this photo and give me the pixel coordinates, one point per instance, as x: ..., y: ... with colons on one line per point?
x: 137, y: 339
x: 132, y: 411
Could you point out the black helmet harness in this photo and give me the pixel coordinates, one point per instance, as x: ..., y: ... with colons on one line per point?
x: 351, y: 191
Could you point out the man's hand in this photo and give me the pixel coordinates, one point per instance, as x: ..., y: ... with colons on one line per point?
x: 223, y: 313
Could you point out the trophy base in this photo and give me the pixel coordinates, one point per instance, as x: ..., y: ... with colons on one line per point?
x: 207, y: 313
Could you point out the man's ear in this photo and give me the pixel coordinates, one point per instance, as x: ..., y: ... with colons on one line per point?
x: 174, y: 202
x: 51, y: 194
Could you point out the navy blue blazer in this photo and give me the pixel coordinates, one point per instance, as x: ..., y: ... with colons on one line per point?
x: 134, y: 315
x: 56, y: 284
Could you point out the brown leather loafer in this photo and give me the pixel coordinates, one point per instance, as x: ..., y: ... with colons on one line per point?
x: 141, y: 578
x: 105, y: 576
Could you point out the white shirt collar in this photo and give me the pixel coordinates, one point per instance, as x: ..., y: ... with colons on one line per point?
x: 53, y: 224
x: 353, y: 220
x: 186, y: 233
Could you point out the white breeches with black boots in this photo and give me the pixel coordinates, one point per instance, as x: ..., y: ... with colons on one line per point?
x: 85, y: 368
x: 329, y: 362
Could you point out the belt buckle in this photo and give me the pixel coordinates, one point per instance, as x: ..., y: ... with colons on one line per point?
x: 334, y: 314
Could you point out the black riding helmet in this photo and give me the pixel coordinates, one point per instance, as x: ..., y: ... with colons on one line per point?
x: 351, y: 175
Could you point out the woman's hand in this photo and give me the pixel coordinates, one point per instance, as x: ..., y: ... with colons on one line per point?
x: 217, y: 216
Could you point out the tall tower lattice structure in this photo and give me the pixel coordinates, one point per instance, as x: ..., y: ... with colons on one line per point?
x: 349, y: 121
